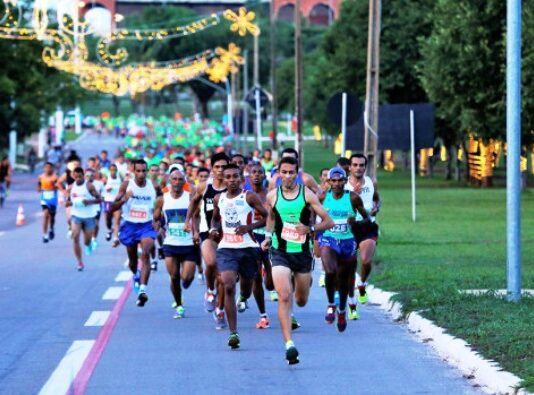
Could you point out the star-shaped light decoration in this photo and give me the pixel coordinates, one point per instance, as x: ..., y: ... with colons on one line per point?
x: 242, y: 21
x: 218, y: 70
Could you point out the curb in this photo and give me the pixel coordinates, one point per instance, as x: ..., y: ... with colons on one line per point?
x: 456, y: 352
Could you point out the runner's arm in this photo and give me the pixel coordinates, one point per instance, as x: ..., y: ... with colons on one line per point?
x: 376, y: 200
x: 121, y: 198
x: 215, y: 225
x: 194, y: 203
x: 39, y: 188
x: 254, y: 201
x: 357, y: 205
x: 269, y: 225
x: 92, y: 190
x: 157, y: 213
x: 309, y: 181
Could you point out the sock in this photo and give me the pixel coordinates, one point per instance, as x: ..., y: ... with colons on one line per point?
x: 213, y: 291
x: 289, y: 344
x: 142, y: 288
x: 219, y: 311
x: 263, y: 315
x: 350, y: 300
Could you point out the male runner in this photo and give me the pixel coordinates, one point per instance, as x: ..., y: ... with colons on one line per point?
x: 289, y: 227
x: 156, y: 182
x: 324, y: 185
x: 302, y: 177
x: 64, y: 182
x: 137, y: 198
x: 366, y: 232
x: 237, y: 251
x: 90, y: 175
x: 46, y: 185
x: 179, y: 248
x: 113, y: 218
x: 84, y: 200
x: 205, y: 194
x: 338, y: 247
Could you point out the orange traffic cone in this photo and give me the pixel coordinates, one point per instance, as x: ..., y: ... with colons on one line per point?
x: 20, y: 216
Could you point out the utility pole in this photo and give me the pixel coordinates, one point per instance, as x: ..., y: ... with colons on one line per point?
x: 298, y: 80
x: 373, y: 74
x: 245, y: 104
x: 274, y: 103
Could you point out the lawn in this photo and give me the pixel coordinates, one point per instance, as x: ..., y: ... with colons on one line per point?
x: 458, y: 242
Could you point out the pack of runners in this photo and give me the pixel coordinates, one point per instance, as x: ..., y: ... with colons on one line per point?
x: 239, y: 220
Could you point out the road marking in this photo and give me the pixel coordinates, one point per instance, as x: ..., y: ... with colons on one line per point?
x: 2, y: 233
x: 82, y: 378
x: 62, y: 378
x: 113, y: 293
x: 125, y: 275
x: 97, y: 318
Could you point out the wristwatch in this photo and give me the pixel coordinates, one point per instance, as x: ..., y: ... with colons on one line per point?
x: 312, y: 228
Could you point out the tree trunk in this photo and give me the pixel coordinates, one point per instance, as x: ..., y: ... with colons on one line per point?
x: 204, y: 109
x: 448, y: 169
x: 116, y: 105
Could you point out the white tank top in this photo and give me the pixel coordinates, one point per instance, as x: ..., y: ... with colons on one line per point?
x: 366, y: 194
x: 235, y: 212
x: 79, y: 193
x: 140, y: 206
x: 114, y: 184
x: 175, y: 211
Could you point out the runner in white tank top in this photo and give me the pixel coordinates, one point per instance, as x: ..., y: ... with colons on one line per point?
x: 136, y: 199
x: 366, y: 233
x: 113, y: 184
x: 237, y: 252
x: 179, y: 245
x: 84, y: 200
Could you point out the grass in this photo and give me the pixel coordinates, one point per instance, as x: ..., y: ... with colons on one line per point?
x: 458, y: 242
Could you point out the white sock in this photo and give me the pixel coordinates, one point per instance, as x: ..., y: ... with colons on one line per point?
x: 142, y: 288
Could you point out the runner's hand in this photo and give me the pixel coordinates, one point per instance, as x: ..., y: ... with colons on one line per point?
x: 214, y: 234
x: 156, y: 225
x: 187, y: 227
x: 241, y: 230
x: 266, y: 244
x: 302, y: 229
x: 196, y: 238
x: 351, y: 221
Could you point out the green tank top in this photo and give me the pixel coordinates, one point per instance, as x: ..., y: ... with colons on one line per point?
x: 288, y: 213
x: 339, y: 210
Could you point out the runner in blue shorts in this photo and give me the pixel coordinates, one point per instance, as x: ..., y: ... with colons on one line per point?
x: 338, y: 247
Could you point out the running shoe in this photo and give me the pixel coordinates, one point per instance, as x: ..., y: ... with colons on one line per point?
x: 80, y: 266
x: 154, y: 266
x: 174, y: 305
x: 263, y: 323
x: 161, y: 255
x: 336, y: 298
x: 137, y: 280
x: 353, y: 312
x: 241, y: 304
x: 51, y: 234
x: 233, y: 340
x: 292, y: 355
x: 330, y: 316
x: 108, y: 236
x: 294, y: 323
x: 45, y: 239
x: 180, y: 312
x: 141, y: 299
x: 220, y: 321
x: 363, y: 298
x: 341, y: 321
x: 322, y: 280
x: 94, y: 244
x: 210, y: 299
x: 274, y: 296
x: 88, y: 250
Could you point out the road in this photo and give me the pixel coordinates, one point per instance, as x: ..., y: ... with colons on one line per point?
x: 80, y: 332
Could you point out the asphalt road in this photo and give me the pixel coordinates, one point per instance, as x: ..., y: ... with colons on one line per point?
x: 71, y: 332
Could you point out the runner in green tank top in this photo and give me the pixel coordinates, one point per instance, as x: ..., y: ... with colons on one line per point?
x: 338, y: 247
x: 289, y: 228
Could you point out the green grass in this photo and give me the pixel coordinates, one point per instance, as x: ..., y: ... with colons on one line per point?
x: 458, y: 242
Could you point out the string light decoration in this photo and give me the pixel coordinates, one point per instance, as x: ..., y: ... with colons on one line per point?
x: 242, y: 21
x: 226, y: 64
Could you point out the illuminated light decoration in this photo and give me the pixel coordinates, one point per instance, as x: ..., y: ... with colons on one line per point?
x: 424, y: 155
x: 11, y: 14
x: 481, y: 158
x: 242, y: 21
x: 443, y: 153
x: 226, y: 64
x: 389, y: 163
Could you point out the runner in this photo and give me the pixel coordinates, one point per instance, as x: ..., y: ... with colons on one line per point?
x: 113, y: 218
x: 137, y: 198
x: 237, y: 253
x: 5, y: 179
x: 302, y: 177
x: 257, y: 178
x: 324, y: 185
x: 64, y: 182
x: 366, y: 232
x: 205, y: 194
x: 91, y: 176
x: 289, y: 227
x: 46, y: 186
x: 156, y: 182
x: 84, y: 200
x: 202, y: 175
x: 179, y: 248
x: 338, y: 247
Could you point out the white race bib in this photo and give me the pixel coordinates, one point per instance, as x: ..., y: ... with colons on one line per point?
x: 49, y: 195
x: 289, y: 233
x: 139, y: 212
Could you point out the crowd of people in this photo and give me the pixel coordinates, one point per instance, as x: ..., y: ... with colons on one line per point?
x: 233, y: 218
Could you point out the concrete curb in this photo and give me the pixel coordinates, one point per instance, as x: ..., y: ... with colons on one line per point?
x: 487, y: 374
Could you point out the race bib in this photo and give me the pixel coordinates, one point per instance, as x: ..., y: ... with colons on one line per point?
x: 209, y: 206
x: 289, y: 233
x: 138, y: 212
x: 49, y: 195
x: 232, y: 238
x: 176, y: 229
x: 340, y: 226
x: 78, y: 203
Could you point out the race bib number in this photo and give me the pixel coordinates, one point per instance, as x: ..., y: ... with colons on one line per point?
x: 78, y: 203
x: 340, y: 227
x: 209, y: 206
x: 289, y: 233
x: 49, y: 195
x: 138, y: 212
x: 177, y: 230
x: 233, y: 238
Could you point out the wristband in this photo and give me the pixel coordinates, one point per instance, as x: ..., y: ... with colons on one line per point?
x: 213, y: 230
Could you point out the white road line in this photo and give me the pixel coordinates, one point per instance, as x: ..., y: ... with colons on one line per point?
x: 113, y: 293
x: 97, y: 318
x: 125, y: 275
x: 65, y: 373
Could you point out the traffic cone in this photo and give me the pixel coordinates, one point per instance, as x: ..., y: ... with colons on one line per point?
x: 20, y: 216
